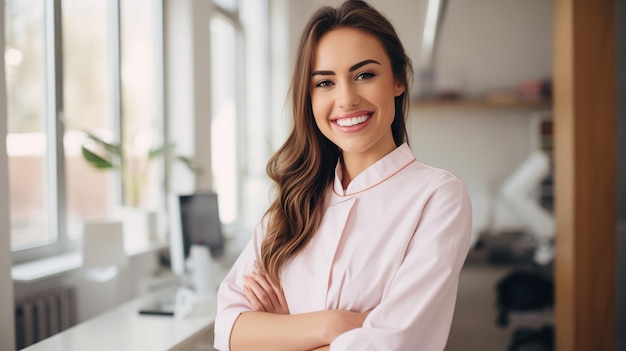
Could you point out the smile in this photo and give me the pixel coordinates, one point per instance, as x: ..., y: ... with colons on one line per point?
x: 352, y: 121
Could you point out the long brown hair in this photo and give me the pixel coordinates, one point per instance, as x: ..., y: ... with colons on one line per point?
x: 304, y: 165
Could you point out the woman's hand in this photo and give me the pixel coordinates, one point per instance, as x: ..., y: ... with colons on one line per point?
x: 264, y: 295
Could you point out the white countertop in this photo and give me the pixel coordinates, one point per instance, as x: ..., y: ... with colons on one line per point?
x: 124, y: 329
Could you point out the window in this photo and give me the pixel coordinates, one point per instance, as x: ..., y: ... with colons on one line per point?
x: 240, y: 91
x: 141, y: 83
x: 26, y: 140
x: 74, y: 66
x: 87, y: 97
x: 224, y: 115
x: 79, y: 65
x: 257, y: 121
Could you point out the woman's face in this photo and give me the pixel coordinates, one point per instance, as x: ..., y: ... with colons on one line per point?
x: 353, y: 91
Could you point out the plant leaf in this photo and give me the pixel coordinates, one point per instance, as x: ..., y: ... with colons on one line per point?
x: 96, y: 160
x: 114, y: 149
x: 191, y: 164
x: 153, y: 153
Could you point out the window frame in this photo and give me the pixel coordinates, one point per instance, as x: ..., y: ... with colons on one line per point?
x: 54, y: 158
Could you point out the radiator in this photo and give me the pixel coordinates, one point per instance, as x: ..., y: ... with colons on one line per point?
x: 44, y: 315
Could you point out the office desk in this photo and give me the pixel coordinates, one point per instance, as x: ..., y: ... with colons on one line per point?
x: 124, y: 329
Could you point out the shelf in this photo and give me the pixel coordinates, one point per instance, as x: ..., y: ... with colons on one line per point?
x: 478, y: 104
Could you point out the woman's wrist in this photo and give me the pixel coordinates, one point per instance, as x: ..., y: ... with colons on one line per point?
x: 322, y: 324
x: 333, y: 323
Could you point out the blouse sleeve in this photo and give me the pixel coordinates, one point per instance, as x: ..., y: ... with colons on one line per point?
x: 231, y: 301
x: 416, y: 309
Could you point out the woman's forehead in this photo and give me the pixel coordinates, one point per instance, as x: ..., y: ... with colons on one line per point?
x: 341, y: 48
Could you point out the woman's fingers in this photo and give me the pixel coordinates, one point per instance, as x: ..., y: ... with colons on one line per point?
x: 262, y: 293
x: 254, y: 301
x: 278, y: 296
x: 284, y: 308
x: 265, y: 293
x: 267, y: 288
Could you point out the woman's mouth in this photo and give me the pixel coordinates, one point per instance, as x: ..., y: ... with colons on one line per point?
x: 352, y: 121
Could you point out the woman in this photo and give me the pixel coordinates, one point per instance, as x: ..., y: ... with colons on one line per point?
x: 362, y: 246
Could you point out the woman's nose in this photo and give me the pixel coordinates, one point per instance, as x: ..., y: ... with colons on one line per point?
x: 348, y: 96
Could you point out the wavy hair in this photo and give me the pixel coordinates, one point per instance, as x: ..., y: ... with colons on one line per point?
x: 304, y: 166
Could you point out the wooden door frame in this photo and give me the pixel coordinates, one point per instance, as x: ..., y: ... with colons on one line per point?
x: 584, y: 117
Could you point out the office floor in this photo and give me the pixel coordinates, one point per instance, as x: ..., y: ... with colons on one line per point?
x: 474, y: 326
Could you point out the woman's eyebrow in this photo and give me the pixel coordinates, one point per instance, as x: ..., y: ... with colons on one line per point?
x: 322, y: 73
x: 363, y: 63
x: 352, y: 68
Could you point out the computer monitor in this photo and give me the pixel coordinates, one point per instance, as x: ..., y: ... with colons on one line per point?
x: 194, y: 219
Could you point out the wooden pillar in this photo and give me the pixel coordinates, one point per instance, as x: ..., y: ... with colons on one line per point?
x: 584, y: 114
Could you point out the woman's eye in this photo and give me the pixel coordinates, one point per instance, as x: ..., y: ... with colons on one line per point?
x: 323, y: 84
x: 364, y: 76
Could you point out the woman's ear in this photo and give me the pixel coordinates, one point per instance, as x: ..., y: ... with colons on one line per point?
x: 398, y: 88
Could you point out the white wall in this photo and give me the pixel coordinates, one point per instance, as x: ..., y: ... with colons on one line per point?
x: 7, y: 331
x: 494, y: 44
x: 482, y: 147
x: 488, y: 44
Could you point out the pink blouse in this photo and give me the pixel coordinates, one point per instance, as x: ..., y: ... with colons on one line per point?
x: 393, y: 242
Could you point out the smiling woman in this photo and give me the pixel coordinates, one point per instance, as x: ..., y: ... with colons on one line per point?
x: 353, y: 97
x: 362, y: 246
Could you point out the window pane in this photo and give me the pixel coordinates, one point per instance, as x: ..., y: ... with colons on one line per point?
x: 87, y: 106
x: 26, y: 139
x: 141, y: 89
x: 256, y: 118
x: 224, y: 146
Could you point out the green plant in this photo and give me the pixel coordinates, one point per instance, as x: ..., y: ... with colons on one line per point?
x: 132, y: 167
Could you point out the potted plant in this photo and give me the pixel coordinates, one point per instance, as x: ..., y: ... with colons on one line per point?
x: 133, y: 165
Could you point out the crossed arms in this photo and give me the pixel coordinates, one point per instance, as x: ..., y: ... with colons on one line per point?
x: 271, y: 327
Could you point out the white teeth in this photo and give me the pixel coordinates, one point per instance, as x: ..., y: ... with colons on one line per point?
x: 349, y: 122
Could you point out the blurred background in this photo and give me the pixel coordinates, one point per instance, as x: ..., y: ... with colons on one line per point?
x: 208, y: 81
